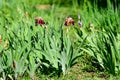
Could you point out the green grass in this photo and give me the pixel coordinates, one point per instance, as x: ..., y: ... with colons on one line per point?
x: 38, y: 53
x: 83, y: 70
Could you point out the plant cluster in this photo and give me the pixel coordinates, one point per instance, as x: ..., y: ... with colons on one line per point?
x: 51, y: 44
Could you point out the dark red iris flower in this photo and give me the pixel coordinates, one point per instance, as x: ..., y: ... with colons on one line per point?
x: 39, y: 21
x: 69, y: 21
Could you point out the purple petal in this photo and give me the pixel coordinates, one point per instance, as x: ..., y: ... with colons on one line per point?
x: 78, y: 16
x: 80, y: 23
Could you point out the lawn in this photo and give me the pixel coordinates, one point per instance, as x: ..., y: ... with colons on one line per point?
x: 59, y: 40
